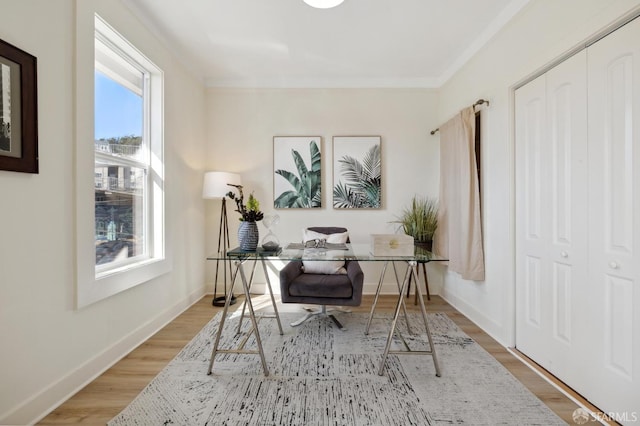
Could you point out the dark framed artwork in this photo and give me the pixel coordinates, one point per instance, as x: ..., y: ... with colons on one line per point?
x: 18, y: 110
x: 297, y: 172
x: 357, y: 172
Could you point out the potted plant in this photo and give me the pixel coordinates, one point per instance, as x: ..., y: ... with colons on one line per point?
x: 249, y: 214
x: 420, y: 220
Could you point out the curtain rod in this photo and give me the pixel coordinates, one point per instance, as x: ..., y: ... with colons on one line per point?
x: 478, y: 102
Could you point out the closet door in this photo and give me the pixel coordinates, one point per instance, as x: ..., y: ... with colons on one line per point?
x: 551, y: 238
x: 614, y: 220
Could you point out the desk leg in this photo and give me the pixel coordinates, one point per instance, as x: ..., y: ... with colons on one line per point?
x: 244, y: 304
x: 375, y: 299
x: 426, y: 326
x: 273, y: 300
x: 214, y: 351
x: 252, y: 314
x: 254, y: 322
x: 404, y: 306
x: 411, y: 272
x: 405, y: 282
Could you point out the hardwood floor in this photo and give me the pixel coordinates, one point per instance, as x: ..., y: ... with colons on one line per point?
x: 110, y: 393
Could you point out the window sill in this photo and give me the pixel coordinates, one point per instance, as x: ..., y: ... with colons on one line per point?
x: 115, y: 281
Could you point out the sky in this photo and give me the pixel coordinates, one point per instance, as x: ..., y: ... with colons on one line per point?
x: 118, y: 111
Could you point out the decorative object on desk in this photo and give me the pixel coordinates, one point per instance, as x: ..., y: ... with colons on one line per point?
x: 270, y: 242
x: 291, y: 154
x: 216, y: 185
x: 250, y: 213
x: 337, y: 369
x: 316, y: 243
x: 392, y: 245
x: 357, y: 172
x: 248, y: 236
x: 420, y: 220
x: 18, y: 110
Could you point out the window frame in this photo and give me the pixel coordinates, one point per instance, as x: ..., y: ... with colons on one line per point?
x: 95, y: 283
x: 105, y: 159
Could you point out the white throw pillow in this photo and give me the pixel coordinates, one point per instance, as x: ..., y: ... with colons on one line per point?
x: 324, y: 266
x: 341, y: 238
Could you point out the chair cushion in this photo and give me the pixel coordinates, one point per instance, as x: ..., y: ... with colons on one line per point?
x: 321, y: 286
x: 324, y: 266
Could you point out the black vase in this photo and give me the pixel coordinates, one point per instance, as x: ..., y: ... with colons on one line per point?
x: 426, y: 245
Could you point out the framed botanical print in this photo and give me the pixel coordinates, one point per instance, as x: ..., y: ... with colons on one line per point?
x: 357, y: 173
x: 297, y: 172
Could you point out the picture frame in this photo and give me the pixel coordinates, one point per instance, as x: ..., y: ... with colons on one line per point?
x: 18, y: 110
x: 357, y: 172
x: 297, y: 172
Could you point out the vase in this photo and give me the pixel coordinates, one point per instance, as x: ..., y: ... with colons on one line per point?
x: 425, y: 245
x: 248, y: 236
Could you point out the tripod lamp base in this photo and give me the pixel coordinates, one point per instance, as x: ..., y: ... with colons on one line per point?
x: 219, y: 301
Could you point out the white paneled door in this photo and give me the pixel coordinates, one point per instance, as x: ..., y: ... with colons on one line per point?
x: 614, y: 218
x: 578, y: 222
x: 551, y: 175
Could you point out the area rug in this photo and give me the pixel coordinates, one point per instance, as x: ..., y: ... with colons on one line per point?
x: 320, y: 375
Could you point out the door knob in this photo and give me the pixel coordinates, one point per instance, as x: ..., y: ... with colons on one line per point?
x: 613, y: 265
x: 564, y: 254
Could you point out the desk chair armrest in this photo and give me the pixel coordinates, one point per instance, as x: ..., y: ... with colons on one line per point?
x: 290, y: 272
x: 354, y: 271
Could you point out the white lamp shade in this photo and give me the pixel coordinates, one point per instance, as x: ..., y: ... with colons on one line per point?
x: 323, y: 4
x: 216, y: 184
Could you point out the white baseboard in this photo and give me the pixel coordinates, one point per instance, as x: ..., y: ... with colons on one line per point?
x: 487, y: 325
x: 51, y: 396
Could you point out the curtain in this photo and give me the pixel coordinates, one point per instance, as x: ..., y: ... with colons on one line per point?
x: 459, y: 233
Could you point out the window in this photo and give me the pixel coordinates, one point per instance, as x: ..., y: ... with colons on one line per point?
x: 128, y: 156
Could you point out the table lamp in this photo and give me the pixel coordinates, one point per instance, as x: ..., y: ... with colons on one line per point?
x: 216, y: 186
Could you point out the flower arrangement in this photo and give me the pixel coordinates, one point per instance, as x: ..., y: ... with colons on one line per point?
x: 249, y: 212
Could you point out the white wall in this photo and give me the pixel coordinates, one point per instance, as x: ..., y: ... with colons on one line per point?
x: 243, y: 122
x: 48, y: 348
x: 543, y: 31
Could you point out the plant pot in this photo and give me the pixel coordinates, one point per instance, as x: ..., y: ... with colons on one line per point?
x: 248, y: 236
x: 426, y: 245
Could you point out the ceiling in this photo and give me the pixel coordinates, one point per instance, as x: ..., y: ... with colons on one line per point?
x: 361, y: 43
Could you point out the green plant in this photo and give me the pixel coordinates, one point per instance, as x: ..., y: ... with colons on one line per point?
x: 420, y: 218
x: 249, y: 212
x: 307, y: 186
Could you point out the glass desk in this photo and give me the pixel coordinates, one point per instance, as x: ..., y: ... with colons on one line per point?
x: 359, y: 252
